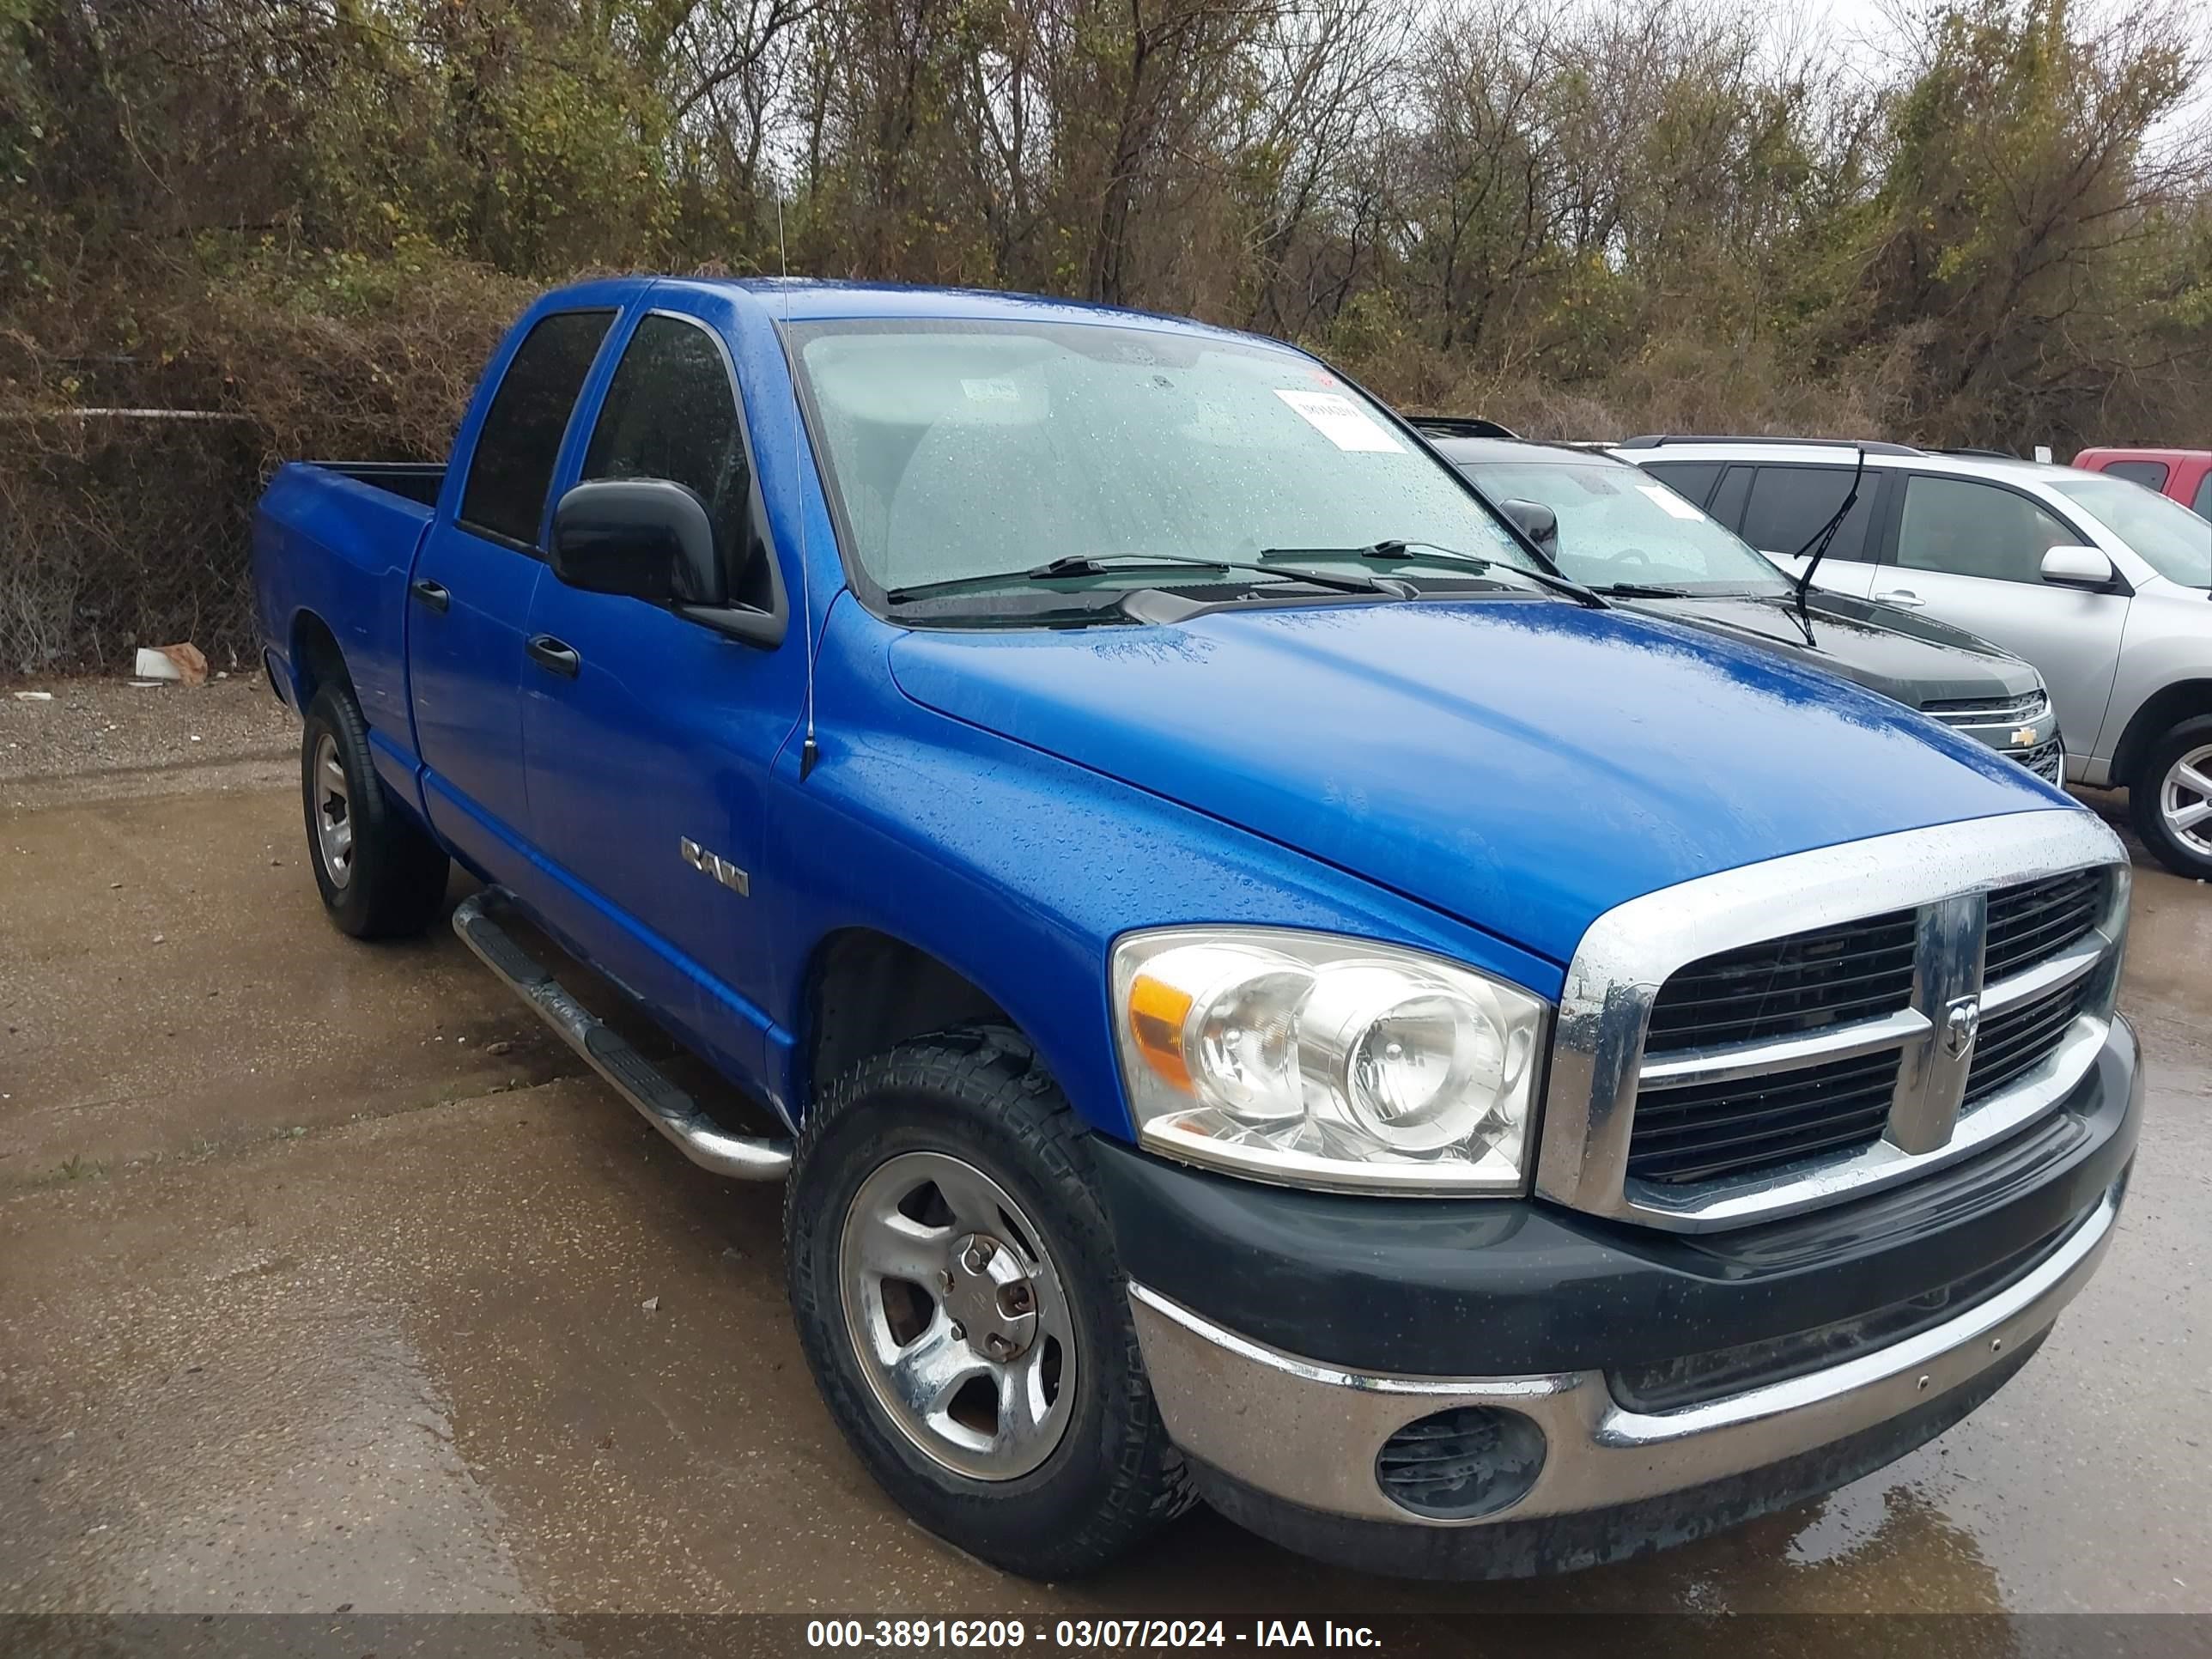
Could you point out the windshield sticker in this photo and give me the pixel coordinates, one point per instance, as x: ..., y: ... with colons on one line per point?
x: 1342, y: 422
x: 1669, y: 502
x: 992, y: 391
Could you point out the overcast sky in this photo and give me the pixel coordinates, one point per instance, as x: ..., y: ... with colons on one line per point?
x: 1874, y: 37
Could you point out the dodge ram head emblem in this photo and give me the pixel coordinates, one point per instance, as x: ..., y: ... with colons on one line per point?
x: 2025, y: 736
x: 1959, y: 1024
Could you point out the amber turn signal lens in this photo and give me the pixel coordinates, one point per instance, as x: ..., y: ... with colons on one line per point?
x: 1156, y: 1014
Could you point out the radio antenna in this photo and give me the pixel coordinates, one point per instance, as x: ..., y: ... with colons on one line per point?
x: 809, y: 751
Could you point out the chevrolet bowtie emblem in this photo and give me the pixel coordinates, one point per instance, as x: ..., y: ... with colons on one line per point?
x: 2025, y: 736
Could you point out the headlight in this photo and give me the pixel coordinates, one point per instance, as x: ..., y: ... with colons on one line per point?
x: 1316, y: 1060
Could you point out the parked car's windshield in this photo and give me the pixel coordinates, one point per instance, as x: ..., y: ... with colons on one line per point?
x: 964, y: 449
x: 1618, y: 524
x: 2176, y: 541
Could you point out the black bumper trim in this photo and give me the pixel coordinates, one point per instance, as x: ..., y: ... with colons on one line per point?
x: 1466, y: 1287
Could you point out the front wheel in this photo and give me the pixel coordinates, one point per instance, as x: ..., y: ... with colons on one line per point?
x: 2171, y: 799
x: 958, y: 1300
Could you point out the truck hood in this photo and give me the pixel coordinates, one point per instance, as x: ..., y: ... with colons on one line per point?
x: 1523, y: 765
x: 1916, y: 660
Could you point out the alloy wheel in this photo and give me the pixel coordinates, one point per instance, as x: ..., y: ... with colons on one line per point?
x: 333, y: 800
x: 2184, y: 800
x: 958, y: 1317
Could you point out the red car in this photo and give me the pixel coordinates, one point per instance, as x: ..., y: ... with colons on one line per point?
x: 2184, y: 474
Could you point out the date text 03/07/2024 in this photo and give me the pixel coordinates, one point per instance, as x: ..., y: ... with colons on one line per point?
x: 1085, y: 1633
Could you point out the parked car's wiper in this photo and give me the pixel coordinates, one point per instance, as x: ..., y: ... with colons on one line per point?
x: 1640, y: 591
x: 1403, y: 552
x: 1081, y: 565
x: 1816, y: 549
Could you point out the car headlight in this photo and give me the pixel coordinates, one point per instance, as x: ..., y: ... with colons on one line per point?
x: 1316, y: 1060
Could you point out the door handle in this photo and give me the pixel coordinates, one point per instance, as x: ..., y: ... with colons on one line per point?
x: 436, y: 595
x: 555, y: 657
x: 1903, y: 598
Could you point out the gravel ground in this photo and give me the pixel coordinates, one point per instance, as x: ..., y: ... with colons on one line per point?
x: 103, y: 726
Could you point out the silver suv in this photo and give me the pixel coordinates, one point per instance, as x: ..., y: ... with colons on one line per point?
x: 2101, y: 584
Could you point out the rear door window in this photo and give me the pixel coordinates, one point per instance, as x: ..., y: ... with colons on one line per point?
x: 521, y: 439
x: 1967, y: 528
x: 1727, y: 504
x: 2203, y: 505
x: 2152, y: 475
x: 1789, y: 504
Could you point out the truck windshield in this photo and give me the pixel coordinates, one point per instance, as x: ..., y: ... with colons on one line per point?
x: 961, y: 449
x: 2176, y: 543
x: 1620, y: 525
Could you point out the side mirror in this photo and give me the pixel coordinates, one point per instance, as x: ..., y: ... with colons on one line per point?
x: 1537, y: 521
x: 2077, y: 567
x: 646, y: 538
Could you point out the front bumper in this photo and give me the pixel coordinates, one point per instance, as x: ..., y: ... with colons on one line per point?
x: 2047, y: 759
x: 1289, y: 1443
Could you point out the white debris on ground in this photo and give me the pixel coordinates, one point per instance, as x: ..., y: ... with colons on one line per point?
x: 181, y: 662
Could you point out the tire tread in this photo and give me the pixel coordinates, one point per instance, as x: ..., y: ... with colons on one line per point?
x: 995, y: 1074
x: 398, y: 880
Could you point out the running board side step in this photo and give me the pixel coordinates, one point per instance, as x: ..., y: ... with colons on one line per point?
x: 630, y: 1074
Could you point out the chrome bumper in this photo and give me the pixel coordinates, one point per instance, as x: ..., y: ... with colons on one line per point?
x: 1308, y: 1434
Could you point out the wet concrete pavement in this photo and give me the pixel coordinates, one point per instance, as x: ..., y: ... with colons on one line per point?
x: 323, y: 1282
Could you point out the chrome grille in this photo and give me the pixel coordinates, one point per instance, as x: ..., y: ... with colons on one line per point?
x: 1691, y: 1127
x: 1705, y: 1130
x: 2015, y: 1042
x: 1754, y: 1043
x: 1984, y: 711
x: 1825, y: 976
x: 2039, y: 919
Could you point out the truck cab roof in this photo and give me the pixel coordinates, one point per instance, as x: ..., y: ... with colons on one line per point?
x: 814, y: 300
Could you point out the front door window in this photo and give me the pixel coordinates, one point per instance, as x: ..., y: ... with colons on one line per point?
x: 1963, y: 527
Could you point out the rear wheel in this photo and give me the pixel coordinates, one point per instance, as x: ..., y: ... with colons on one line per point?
x: 2171, y: 799
x: 959, y: 1299
x: 380, y: 874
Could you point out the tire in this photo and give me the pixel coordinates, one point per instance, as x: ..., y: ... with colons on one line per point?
x: 2185, y: 849
x: 381, y: 875
x: 1098, y: 1474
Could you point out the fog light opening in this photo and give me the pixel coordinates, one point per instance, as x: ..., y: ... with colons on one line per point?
x: 1461, y: 1464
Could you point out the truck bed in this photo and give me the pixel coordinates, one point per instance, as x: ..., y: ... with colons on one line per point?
x: 336, y: 539
x: 418, y: 481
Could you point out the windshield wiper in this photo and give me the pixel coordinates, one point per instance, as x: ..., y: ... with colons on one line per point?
x: 1081, y: 565
x: 1641, y: 590
x: 1818, y: 547
x: 1404, y: 552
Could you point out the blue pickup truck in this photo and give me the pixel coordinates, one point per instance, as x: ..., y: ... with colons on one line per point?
x: 1256, y: 985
